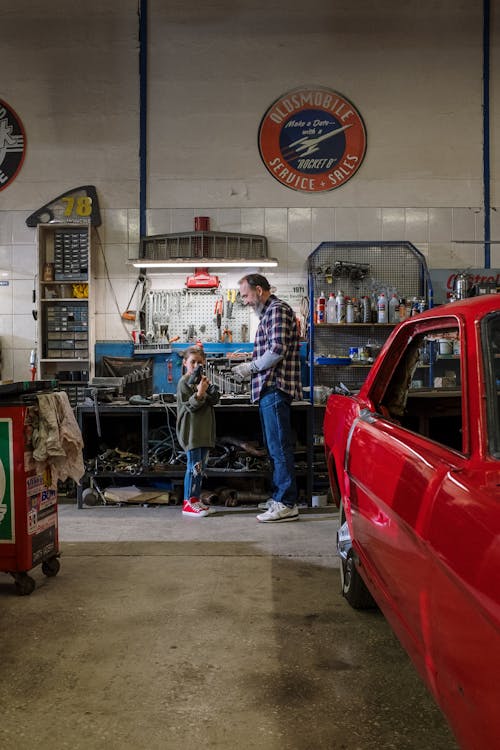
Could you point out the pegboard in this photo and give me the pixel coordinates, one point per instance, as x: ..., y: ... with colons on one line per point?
x: 190, y: 313
x: 366, y: 268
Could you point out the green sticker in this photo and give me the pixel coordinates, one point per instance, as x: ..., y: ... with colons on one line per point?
x: 6, y: 494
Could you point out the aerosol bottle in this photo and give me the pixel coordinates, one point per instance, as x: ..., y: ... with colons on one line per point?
x: 331, y: 311
x: 340, y: 306
x: 366, y: 307
x: 321, y: 308
x: 33, y: 364
x: 394, y: 309
x: 349, y: 311
x: 382, y: 308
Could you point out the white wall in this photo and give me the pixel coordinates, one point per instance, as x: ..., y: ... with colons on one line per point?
x: 413, y: 70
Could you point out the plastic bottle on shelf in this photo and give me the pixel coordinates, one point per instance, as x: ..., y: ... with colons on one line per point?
x: 321, y: 308
x: 340, y: 306
x: 382, y: 308
x: 331, y: 310
x: 366, y: 316
x: 394, y: 309
x: 358, y: 311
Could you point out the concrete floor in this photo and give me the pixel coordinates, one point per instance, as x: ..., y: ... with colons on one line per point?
x: 168, y: 633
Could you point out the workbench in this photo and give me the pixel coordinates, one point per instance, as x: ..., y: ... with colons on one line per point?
x: 132, y: 429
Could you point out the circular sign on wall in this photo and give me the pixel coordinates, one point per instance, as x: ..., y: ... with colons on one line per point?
x: 312, y: 139
x: 12, y: 144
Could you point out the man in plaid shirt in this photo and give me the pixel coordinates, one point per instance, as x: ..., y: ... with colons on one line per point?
x: 275, y: 375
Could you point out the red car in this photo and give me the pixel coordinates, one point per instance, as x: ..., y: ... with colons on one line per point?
x: 414, y: 461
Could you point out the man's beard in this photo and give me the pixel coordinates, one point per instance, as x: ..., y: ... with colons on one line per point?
x: 259, y: 306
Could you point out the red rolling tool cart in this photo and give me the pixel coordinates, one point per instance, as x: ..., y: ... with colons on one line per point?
x: 28, y: 507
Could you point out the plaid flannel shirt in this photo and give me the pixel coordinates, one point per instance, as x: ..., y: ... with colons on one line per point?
x: 277, y: 331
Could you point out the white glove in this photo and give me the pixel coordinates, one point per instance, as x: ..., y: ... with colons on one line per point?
x: 242, y: 372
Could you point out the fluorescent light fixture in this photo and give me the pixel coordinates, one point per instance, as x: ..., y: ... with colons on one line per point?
x: 204, y: 263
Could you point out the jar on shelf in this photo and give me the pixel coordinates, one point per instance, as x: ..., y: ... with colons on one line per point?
x: 48, y: 272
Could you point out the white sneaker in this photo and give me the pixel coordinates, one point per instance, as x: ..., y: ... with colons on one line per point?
x: 208, y: 508
x: 266, y: 505
x: 279, y: 512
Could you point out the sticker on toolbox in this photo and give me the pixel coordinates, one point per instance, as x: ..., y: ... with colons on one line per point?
x: 48, y: 499
x: 32, y: 521
x: 44, y: 543
x: 7, y: 534
x: 34, y: 485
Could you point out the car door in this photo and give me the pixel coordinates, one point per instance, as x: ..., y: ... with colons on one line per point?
x: 399, y: 451
x: 463, y: 636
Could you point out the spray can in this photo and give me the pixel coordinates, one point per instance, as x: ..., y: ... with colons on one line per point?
x: 321, y: 308
x: 402, y: 310
x: 349, y: 311
x: 382, y: 308
x: 33, y: 364
x: 357, y: 310
x: 340, y: 306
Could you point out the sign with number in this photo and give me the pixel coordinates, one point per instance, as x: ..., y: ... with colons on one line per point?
x: 312, y: 139
x: 79, y: 205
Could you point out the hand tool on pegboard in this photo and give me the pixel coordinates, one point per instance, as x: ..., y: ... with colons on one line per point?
x: 218, y: 310
x: 231, y: 298
x: 129, y: 314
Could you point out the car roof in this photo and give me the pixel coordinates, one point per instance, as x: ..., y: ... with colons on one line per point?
x: 470, y: 307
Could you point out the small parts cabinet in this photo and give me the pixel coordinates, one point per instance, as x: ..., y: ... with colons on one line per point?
x: 28, y: 507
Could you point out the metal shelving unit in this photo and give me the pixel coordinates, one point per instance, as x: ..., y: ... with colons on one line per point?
x: 65, y: 313
x: 358, y: 269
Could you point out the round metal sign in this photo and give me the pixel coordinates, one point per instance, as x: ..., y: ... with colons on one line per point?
x: 12, y: 144
x: 312, y: 139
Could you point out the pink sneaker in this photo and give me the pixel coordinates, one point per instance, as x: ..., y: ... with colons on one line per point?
x: 193, y: 509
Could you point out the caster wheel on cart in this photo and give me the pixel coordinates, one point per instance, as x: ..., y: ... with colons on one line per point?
x: 24, y: 584
x: 89, y: 497
x: 51, y: 567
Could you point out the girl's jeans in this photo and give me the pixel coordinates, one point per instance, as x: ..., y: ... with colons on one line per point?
x: 197, y: 460
x: 275, y: 410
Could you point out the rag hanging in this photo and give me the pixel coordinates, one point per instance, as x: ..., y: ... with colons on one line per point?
x: 57, y: 439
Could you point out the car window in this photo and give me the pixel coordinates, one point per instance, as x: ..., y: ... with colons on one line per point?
x: 490, y: 341
x: 424, y: 393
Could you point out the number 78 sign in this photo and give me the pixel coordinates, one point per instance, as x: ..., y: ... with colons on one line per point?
x: 77, y: 205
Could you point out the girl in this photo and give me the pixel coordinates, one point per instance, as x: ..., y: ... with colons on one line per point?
x: 195, y: 428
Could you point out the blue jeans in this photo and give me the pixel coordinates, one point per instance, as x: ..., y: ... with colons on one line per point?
x: 197, y: 460
x: 275, y: 418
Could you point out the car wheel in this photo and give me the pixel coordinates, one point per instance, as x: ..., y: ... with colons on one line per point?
x: 353, y: 586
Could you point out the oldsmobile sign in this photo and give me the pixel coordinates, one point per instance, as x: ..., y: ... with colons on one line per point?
x: 312, y: 139
x: 12, y: 144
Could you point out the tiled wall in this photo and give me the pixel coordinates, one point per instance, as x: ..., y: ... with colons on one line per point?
x: 414, y: 72
x: 448, y: 237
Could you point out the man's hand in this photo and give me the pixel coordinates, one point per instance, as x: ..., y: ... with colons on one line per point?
x: 242, y: 372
